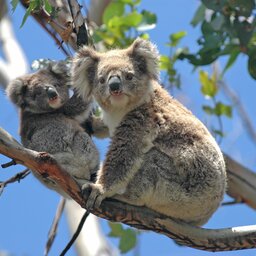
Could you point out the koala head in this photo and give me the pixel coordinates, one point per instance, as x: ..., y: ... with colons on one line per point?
x: 41, y: 92
x: 117, y: 78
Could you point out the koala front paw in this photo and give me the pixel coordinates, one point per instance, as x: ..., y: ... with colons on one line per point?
x: 95, y: 197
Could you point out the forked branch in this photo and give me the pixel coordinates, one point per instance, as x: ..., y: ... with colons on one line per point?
x: 138, y: 217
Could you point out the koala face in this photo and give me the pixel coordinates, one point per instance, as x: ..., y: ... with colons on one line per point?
x: 41, y: 92
x: 117, y: 78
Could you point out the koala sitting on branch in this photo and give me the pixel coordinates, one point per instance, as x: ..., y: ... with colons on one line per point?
x: 161, y: 156
x: 50, y: 121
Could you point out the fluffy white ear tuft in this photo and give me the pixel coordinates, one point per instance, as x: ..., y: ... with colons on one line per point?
x: 83, y: 70
x: 147, y: 57
x: 16, y: 90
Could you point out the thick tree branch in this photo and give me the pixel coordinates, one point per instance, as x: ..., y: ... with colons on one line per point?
x: 241, y: 182
x: 139, y: 217
x: 14, y: 63
x: 96, y: 10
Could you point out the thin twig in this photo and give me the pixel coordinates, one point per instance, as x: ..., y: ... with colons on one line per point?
x: 232, y: 202
x: 241, y: 110
x: 54, y: 227
x: 76, y: 234
x: 53, y: 35
x: 19, y: 176
x: 11, y: 163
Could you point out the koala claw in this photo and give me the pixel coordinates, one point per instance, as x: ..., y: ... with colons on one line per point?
x: 95, y: 197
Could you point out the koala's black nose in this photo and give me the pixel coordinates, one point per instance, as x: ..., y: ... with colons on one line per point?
x: 51, y: 93
x: 114, y: 83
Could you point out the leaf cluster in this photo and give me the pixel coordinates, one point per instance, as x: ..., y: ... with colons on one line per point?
x: 127, y: 236
x: 228, y: 29
x: 123, y: 22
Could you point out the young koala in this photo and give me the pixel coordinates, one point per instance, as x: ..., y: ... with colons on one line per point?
x: 49, y: 121
x: 161, y: 156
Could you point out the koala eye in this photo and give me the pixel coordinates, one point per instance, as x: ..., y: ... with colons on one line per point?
x: 102, y: 80
x: 129, y: 76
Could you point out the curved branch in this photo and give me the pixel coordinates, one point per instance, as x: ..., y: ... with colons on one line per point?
x: 139, y: 217
x: 241, y: 182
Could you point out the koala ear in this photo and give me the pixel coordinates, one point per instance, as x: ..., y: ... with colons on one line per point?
x: 59, y: 67
x: 16, y: 90
x: 146, y: 57
x: 83, y: 70
x: 61, y: 70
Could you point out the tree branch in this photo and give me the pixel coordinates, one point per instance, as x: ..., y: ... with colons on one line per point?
x: 139, y: 217
x: 54, y: 226
x: 240, y: 108
x: 91, y: 240
x: 15, y: 63
x: 241, y: 182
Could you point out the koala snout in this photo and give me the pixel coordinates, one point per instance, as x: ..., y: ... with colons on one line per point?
x: 51, y: 93
x: 114, y: 84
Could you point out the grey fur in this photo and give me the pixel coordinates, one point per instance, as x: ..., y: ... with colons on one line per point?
x: 50, y: 125
x: 161, y: 156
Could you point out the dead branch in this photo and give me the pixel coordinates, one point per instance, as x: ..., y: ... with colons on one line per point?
x: 235, y: 238
x: 91, y: 240
x: 67, y: 26
x: 76, y: 234
x: 54, y: 226
x: 16, y: 178
x: 240, y: 108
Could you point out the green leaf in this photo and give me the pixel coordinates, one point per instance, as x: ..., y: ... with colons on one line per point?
x: 217, y: 22
x: 218, y: 132
x: 208, y: 110
x: 222, y: 109
x: 116, y: 229
x: 132, y: 19
x: 243, y: 8
x: 148, y: 22
x: 112, y: 10
x: 131, y: 2
x: 214, y: 5
x: 176, y: 37
x: 208, y: 87
x: 128, y: 240
x: 252, y: 64
x: 164, y: 62
x: 14, y: 4
x: 199, y: 15
x: 27, y: 13
x: 48, y: 6
x: 232, y: 58
x: 244, y: 31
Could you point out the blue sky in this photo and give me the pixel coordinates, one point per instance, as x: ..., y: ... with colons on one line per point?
x: 27, y: 208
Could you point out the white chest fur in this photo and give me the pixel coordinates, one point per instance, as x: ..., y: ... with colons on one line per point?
x: 112, y: 119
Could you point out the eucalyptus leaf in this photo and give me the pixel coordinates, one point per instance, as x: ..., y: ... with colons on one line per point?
x: 232, y: 58
x: 208, y: 85
x: 128, y: 240
x: 252, y: 64
x: 112, y: 10
x: 116, y: 229
x: 198, y: 16
x: 176, y: 37
x: 14, y: 4
x: 222, y: 109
